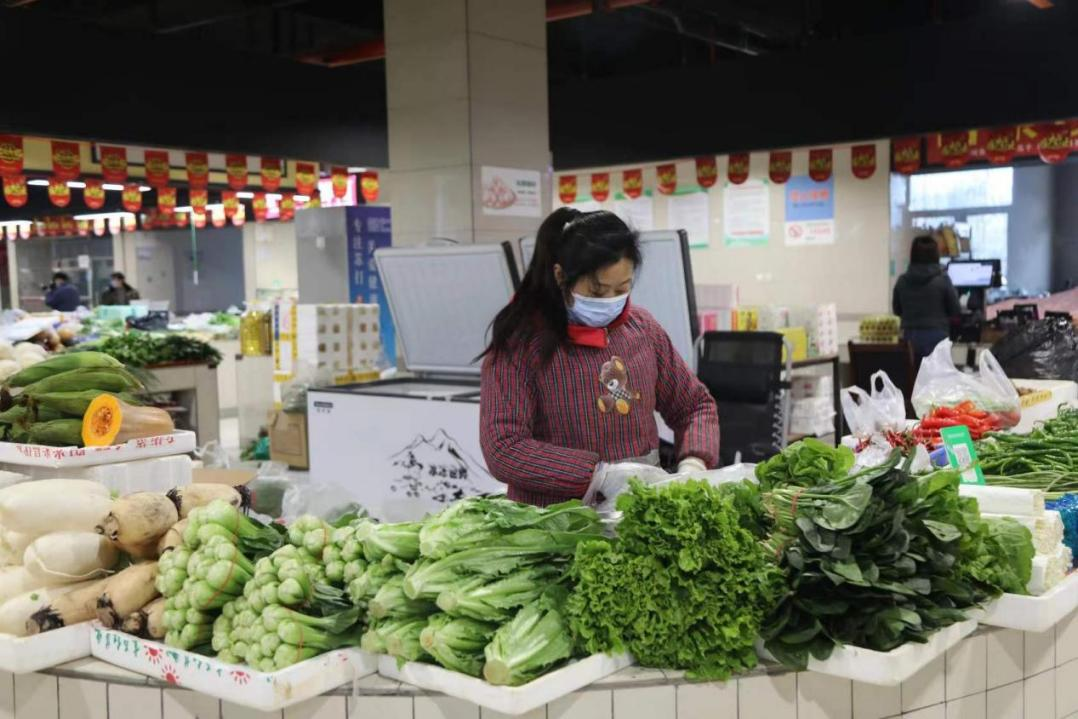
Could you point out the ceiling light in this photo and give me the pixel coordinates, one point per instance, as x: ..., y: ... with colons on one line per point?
x: 102, y: 215
x: 276, y: 197
x: 76, y: 184
x: 245, y: 195
x: 38, y: 183
x: 357, y: 169
x: 301, y: 198
x: 144, y: 188
x: 185, y: 208
x: 110, y: 186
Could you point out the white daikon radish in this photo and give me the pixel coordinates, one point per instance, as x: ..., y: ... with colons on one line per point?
x: 127, y: 592
x: 8, y: 367
x: 8, y: 558
x: 8, y: 479
x: 29, y: 348
x: 15, y: 612
x: 70, y: 607
x: 17, y: 542
x: 55, y: 486
x: 196, y: 495
x: 7, y: 350
x: 1011, y: 501
x: 138, y: 519
x: 15, y: 581
x: 40, y: 512
x: 70, y: 557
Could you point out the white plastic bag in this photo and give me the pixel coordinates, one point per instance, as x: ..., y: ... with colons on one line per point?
x: 884, y: 410
x: 941, y: 384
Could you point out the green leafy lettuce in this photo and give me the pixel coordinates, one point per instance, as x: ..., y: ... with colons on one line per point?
x: 457, y: 644
x: 531, y: 643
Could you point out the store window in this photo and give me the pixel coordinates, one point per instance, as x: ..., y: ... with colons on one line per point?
x: 932, y: 222
x: 988, y: 236
x: 991, y: 187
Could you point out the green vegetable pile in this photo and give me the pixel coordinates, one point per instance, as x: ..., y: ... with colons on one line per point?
x: 1046, y: 458
x: 685, y: 586
x: 879, y: 558
x: 147, y: 349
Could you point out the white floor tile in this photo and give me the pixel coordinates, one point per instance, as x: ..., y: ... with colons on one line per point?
x: 774, y: 697
x: 938, y: 711
x: 1005, y: 650
x: 581, y: 705
x: 924, y: 688
x: 966, y: 668
x: 706, y: 701
x: 1067, y: 639
x: 141, y: 702
x: 35, y: 697
x: 1040, y: 651
x: 7, y: 695
x: 318, y: 708
x: 1067, y: 688
x: 971, y: 707
x: 235, y: 711
x: 645, y: 703
x: 185, y: 704
x: 1040, y: 696
x: 83, y: 699
x: 875, y: 702
x: 450, y: 708
x: 820, y: 696
x: 1005, y: 702
x: 539, y: 713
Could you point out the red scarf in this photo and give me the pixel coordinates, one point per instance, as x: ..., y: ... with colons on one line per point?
x: 596, y: 336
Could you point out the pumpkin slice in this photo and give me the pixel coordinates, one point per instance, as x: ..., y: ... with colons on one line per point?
x: 110, y: 420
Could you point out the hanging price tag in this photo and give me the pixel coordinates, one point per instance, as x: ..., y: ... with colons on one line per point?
x: 961, y: 454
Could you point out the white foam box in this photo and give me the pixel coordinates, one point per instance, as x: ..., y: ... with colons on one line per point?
x: 23, y: 655
x: 886, y: 669
x: 158, y: 474
x: 1033, y: 614
x: 265, y: 691
x: 807, y: 386
x: 36, y: 455
x: 507, y: 700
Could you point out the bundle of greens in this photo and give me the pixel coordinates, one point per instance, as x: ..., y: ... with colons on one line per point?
x: 879, y: 558
x: 146, y: 349
x: 686, y: 585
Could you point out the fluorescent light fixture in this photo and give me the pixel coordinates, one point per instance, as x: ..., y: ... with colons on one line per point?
x: 301, y: 198
x: 104, y: 215
x: 144, y: 188
x: 273, y: 196
x: 357, y: 169
x: 38, y: 183
x: 76, y: 184
x: 214, y: 206
x: 185, y: 208
x: 245, y: 195
x: 16, y: 223
x: 110, y: 186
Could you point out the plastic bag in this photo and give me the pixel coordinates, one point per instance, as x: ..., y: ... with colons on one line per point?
x: 884, y: 410
x: 1047, y: 349
x: 306, y: 497
x: 940, y: 384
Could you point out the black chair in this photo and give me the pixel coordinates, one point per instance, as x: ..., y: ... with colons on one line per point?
x: 896, y: 359
x: 748, y: 377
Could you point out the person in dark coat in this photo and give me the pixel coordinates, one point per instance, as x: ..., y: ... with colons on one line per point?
x: 119, y: 292
x: 925, y: 299
x: 62, y: 296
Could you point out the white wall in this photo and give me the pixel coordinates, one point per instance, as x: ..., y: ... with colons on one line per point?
x: 854, y: 272
x: 269, y: 259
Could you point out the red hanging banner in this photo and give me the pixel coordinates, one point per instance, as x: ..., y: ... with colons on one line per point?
x: 157, y: 168
x: 131, y: 197
x: 707, y: 171
x: 821, y: 162
x: 199, y: 221
x: 99, y: 226
x: 1001, y: 145
x: 68, y: 226
x: 15, y: 190
x: 306, y: 178
x: 65, y: 160
x: 632, y: 183
x: 737, y: 167
x: 113, y: 163
x: 271, y: 174
x: 667, y: 177
x: 1055, y: 142
x: 240, y: 217
x: 236, y: 169
x: 198, y: 170
x: 779, y: 164
x: 218, y: 219
x: 52, y: 225
x: 287, y: 206
x: 339, y: 179
x: 149, y: 219
x: 59, y: 192
x: 93, y: 194
x: 567, y: 188
x: 369, y: 185
x: 258, y: 206
x: 166, y: 200
x: 600, y: 186
x: 906, y: 155
x: 199, y: 199
x: 954, y: 147
x: 129, y: 223
x: 11, y: 155
x: 182, y: 218
x: 114, y: 224
x: 83, y: 227
x: 863, y: 161
x: 229, y: 202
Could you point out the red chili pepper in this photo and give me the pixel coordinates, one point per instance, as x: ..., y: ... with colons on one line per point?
x: 944, y: 412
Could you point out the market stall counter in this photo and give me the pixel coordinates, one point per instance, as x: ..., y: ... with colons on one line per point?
x: 995, y: 673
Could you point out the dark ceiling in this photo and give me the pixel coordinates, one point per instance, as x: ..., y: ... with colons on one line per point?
x: 326, y: 56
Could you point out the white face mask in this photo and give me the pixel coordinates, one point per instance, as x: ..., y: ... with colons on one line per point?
x: 596, y: 311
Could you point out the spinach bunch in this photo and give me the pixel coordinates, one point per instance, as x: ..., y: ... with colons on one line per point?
x: 145, y: 349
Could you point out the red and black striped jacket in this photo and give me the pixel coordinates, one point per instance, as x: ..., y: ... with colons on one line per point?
x: 543, y: 428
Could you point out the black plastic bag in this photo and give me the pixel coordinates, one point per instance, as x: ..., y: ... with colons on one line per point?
x: 1045, y: 349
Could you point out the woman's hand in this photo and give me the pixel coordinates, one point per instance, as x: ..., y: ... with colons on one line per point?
x: 611, y: 479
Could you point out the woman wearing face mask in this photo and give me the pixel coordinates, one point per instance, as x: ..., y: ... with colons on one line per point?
x: 574, y: 373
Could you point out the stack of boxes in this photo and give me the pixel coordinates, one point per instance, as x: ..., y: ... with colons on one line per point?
x: 812, y: 408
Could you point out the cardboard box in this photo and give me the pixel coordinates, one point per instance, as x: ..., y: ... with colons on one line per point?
x: 797, y: 338
x: 288, y: 439
x: 231, y: 477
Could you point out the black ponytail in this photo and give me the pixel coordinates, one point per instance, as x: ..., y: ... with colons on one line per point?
x: 581, y: 243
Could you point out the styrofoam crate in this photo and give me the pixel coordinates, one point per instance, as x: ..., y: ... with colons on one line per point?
x: 179, y: 442
x: 265, y: 691
x: 1033, y: 614
x: 23, y: 655
x: 507, y: 700
x: 158, y: 474
x: 887, y: 669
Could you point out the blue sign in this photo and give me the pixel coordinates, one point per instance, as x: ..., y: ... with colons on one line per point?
x: 370, y: 227
x: 808, y: 200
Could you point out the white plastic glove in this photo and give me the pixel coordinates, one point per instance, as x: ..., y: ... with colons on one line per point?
x: 691, y: 466
x: 611, y: 479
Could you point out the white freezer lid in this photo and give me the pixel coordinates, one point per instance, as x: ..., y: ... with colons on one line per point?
x: 443, y: 299
x: 663, y: 287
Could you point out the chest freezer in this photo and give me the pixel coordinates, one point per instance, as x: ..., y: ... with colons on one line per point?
x: 406, y: 447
